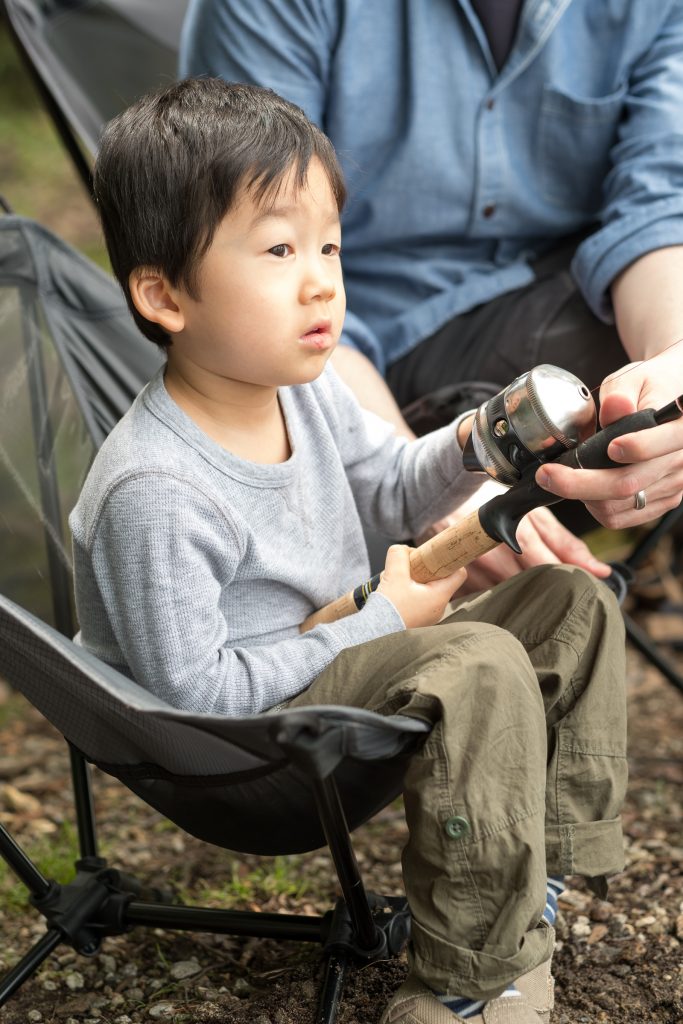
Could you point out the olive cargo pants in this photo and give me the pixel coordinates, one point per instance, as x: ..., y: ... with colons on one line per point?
x: 522, y: 775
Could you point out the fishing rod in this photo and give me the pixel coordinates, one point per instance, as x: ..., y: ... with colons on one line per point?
x: 544, y: 415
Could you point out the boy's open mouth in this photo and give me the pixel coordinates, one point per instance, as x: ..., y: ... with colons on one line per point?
x: 318, y: 334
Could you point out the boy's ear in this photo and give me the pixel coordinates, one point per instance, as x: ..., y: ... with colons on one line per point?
x: 156, y: 299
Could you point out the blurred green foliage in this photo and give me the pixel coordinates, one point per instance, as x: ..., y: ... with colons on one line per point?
x: 37, y: 178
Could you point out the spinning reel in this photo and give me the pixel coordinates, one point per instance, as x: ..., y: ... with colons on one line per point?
x: 541, y: 414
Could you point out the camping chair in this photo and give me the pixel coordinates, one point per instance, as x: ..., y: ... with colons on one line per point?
x: 281, y: 782
x: 72, y: 361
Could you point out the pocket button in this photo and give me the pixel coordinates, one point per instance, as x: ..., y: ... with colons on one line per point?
x: 457, y: 827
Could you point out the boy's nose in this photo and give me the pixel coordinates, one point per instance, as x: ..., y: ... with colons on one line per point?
x: 319, y: 283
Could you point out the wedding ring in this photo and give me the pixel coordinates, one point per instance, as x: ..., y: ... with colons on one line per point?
x: 639, y: 500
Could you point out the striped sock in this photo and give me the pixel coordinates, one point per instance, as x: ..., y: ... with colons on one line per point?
x: 554, y: 888
x: 466, y: 1008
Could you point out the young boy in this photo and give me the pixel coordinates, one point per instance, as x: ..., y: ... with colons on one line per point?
x: 229, y: 502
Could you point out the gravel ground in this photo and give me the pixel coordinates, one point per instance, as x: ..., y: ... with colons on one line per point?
x: 618, y: 961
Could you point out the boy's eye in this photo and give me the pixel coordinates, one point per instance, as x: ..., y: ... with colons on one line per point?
x: 281, y: 250
x: 331, y: 249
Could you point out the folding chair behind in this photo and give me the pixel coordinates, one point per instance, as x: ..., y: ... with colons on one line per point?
x: 277, y: 783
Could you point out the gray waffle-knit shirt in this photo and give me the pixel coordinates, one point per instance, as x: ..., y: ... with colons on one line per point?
x: 194, y: 568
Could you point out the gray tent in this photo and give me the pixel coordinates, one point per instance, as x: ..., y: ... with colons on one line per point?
x: 71, y: 361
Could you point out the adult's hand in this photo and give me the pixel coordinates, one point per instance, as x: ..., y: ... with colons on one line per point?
x: 652, y: 459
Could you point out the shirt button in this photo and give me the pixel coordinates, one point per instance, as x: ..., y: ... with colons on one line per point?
x: 490, y: 104
x: 457, y: 827
x: 489, y: 210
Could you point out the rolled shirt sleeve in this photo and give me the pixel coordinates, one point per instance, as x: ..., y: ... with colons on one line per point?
x: 643, y: 192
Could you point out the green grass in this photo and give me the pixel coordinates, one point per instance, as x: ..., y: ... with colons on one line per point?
x: 13, y: 709
x: 53, y: 855
x: 279, y: 876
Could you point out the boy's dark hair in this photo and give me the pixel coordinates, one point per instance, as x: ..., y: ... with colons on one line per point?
x: 170, y: 167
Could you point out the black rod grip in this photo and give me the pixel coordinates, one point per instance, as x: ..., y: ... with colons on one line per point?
x: 592, y: 453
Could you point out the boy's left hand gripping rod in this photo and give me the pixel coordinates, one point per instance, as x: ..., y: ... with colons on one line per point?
x: 497, y: 520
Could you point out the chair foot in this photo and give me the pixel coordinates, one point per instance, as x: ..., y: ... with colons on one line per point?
x: 332, y: 988
x: 391, y: 917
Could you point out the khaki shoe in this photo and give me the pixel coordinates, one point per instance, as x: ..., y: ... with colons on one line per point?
x: 538, y: 989
x: 414, y: 1003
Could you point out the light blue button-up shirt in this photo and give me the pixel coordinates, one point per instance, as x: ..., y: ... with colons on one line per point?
x: 458, y: 174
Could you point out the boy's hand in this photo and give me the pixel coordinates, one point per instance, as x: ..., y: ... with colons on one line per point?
x: 418, y: 604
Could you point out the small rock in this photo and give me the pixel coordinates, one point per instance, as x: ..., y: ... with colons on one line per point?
x: 598, y: 932
x: 74, y: 981
x: 679, y: 926
x: 108, y: 962
x: 34, y: 1015
x: 49, y: 986
x: 309, y: 990
x: 643, y: 922
x: 15, y: 800
x: 262, y: 1019
x: 207, y: 993
x: 601, y: 911
x: 160, y: 1011
x: 575, y: 900
x: 581, y: 928
x: 123, y: 1019
x: 184, y: 969
x: 135, y: 994
x: 621, y: 970
x: 242, y: 988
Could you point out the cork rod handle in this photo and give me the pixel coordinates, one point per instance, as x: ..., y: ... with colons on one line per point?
x: 454, y: 547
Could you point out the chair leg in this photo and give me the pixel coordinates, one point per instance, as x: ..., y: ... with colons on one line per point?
x: 83, y: 802
x: 366, y: 931
x: 22, y: 866
x: 642, y: 643
x: 296, y: 927
x: 636, y: 635
x: 29, y: 964
x: 331, y: 989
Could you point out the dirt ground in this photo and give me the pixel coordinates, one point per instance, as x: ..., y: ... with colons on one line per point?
x: 618, y: 961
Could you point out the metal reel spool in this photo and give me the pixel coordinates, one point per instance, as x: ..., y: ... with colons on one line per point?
x: 539, y: 415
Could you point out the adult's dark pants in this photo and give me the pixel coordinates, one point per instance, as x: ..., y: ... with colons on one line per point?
x: 548, y: 321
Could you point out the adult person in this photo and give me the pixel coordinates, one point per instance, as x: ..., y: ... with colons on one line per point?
x: 515, y: 174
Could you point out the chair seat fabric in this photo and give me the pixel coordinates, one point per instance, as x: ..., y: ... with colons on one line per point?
x: 244, y: 783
